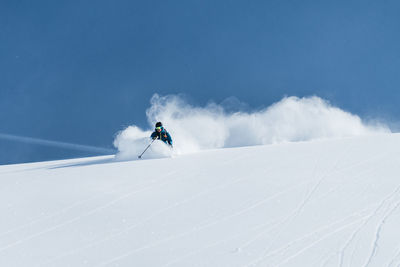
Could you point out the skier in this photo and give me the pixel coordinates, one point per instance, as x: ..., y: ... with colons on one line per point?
x: 162, y: 134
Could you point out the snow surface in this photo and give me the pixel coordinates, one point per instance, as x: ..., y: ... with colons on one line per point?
x: 316, y: 203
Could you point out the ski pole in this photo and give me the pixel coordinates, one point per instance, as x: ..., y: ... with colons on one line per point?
x: 140, y: 156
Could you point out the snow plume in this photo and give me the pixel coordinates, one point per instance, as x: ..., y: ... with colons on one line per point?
x: 50, y: 143
x: 196, y: 128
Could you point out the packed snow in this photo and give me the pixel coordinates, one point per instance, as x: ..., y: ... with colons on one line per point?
x: 329, y: 202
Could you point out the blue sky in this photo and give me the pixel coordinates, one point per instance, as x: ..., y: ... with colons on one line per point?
x: 79, y: 71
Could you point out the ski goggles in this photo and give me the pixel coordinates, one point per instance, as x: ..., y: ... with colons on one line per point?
x: 158, y: 128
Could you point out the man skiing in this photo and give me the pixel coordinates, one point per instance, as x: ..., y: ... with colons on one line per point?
x: 162, y: 134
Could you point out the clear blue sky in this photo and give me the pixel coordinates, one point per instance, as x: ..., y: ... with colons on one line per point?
x: 79, y: 71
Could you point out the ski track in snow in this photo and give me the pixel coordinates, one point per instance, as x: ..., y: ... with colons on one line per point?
x: 326, y: 261
x: 346, y: 236
x: 395, y: 257
x: 219, y: 242
x: 148, y: 218
x: 198, y: 227
x: 367, y: 219
x: 241, y: 247
x: 54, y: 214
x: 319, y: 240
x: 353, y: 235
x: 299, y: 209
x: 339, y: 224
x: 352, y: 258
x: 306, y: 199
x: 291, y: 217
x: 263, y: 232
x: 61, y: 211
x: 77, y: 218
x: 379, y: 230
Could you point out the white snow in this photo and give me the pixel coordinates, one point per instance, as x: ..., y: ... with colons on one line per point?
x: 195, y: 128
x: 316, y: 203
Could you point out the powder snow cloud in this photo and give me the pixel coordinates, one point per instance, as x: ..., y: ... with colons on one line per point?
x: 195, y: 128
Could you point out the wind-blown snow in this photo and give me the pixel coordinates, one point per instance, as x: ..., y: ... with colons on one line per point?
x: 317, y: 203
x: 198, y: 128
x: 51, y: 143
x: 133, y: 141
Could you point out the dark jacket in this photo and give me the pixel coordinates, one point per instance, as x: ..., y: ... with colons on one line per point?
x: 163, y: 135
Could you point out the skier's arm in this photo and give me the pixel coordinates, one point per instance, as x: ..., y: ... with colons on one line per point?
x: 169, y: 139
x: 154, y: 135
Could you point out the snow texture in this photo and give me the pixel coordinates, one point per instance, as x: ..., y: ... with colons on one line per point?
x: 198, y: 128
x: 316, y: 203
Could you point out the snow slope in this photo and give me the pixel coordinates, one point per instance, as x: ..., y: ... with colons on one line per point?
x: 317, y: 203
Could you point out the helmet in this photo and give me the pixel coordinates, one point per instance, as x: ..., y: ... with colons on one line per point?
x: 158, y: 124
